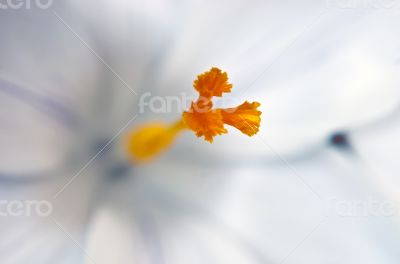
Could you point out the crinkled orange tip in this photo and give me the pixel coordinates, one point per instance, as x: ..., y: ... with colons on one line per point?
x: 205, y: 121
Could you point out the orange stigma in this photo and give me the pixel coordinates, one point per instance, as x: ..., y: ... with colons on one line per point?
x: 205, y: 121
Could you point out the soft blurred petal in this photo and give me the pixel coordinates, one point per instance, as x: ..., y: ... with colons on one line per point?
x: 70, y: 82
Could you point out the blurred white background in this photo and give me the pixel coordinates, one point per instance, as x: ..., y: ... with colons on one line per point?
x: 318, y: 184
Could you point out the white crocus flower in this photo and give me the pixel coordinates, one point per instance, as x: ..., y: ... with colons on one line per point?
x: 71, y: 79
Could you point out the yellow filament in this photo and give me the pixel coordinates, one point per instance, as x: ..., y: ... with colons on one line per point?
x: 152, y: 139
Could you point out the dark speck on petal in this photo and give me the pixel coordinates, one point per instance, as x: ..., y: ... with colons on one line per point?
x: 340, y: 140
